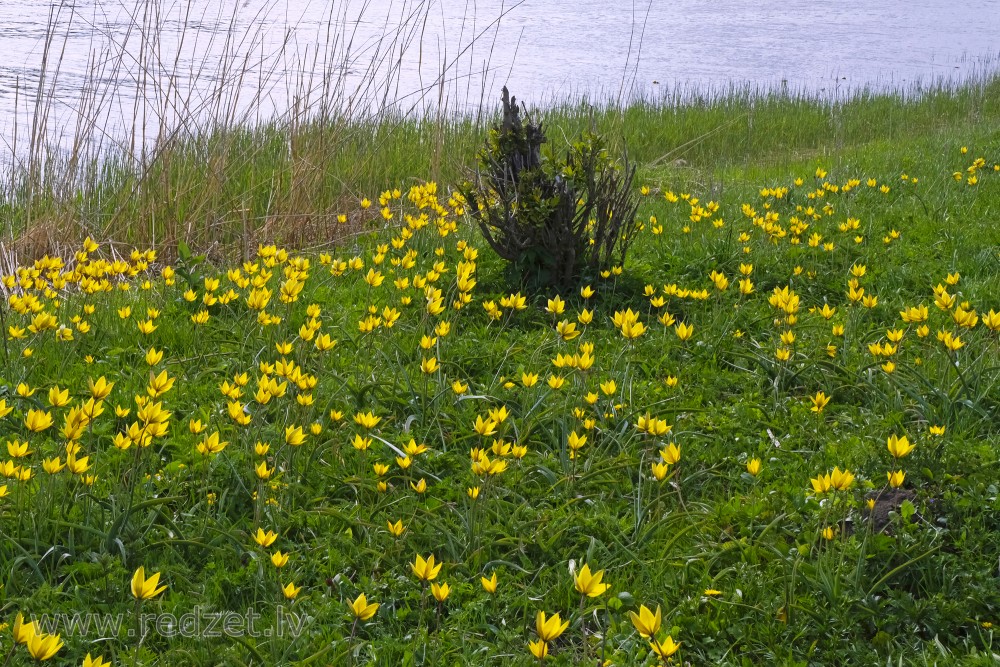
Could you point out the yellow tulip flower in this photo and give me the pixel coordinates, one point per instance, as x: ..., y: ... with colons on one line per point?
x: 146, y: 588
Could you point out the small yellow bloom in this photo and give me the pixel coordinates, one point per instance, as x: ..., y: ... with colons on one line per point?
x: 99, y: 661
x: 666, y: 648
x: 291, y: 591
x: 440, y: 591
x: 841, y: 481
x: 539, y: 649
x: 425, y: 570
x: 362, y: 609
x: 23, y: 631
x: 146, y: 588
x: 489, y: 585
x: 671, y: 454
x: 265, y: 539
x: 899, y: 446
x: 549, y: 629
x: 294, y: 435
x: 38, y: 420
x: 43, y: 646
x: 819, y: 401
x: 646, y: 623
x: 589, y: 584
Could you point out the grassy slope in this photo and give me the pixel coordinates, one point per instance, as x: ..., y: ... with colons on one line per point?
x: 227, y: 189
x: 788, y: 596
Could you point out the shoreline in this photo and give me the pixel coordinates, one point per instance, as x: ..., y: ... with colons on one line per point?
x: 289, y: 182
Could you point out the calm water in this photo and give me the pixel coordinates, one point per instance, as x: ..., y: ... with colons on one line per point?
x: 251, y: 59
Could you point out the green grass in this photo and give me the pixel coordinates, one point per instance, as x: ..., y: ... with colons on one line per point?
x: 922, y: 592
x: 227, y: 188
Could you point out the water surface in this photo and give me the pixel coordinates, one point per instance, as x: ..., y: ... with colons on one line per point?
x: 128, y: 69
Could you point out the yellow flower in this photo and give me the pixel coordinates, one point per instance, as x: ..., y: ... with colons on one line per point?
x: 828, y: 533
x: 589, y: 584
x: 58, y: 398
x: 440, y: 591
x: 143, y: 588
x: 666, y: 648
x: 899, y: 446
x: 429, y: 364
x: 489, y: 585
x: 43, y: 646
x: 841, y: 481
x: 646, y: 622
x: 290, y: 590
x: 484, y: 427
x: 294, y: 435
x: 575, y: 441
x: 671, y: 454
x: 819, y: 401
x: 265, y: 539
x: 95, y: 662
x: 396, y: 529
x: 549, y: 629
x: 652, y: 425
x: 17, y: 449
x: 539, y: 649
x: 361, y: 609
x: 425, y: 570
x: 632, y: 330
x: 896, y: 478
x: 821, y: 484
x: 211, y: 445
x: 279, y: 559
x: 419, y: 487
x: 38, y: 420
x: 753, y: 466
x: 660, y: 470
x: 23, y: 631
x: 684, y: 331
x: 263, y: 472
x: 367, y: 420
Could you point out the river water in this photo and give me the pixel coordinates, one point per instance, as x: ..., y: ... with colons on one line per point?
x: 115, y: 69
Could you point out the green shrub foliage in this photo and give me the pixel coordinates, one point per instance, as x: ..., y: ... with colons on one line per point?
x: 557, y: 219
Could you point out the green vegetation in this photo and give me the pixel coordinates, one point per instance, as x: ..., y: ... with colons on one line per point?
x: 776, y: 423
x: 226, y: 189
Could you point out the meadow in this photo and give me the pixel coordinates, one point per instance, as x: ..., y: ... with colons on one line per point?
x: 769, y: 438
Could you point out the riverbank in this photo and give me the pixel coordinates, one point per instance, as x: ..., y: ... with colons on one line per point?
x: 293, y: 182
